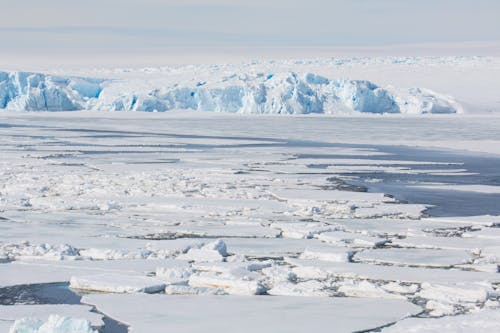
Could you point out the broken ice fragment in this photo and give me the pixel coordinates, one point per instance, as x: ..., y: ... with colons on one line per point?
x: 117, y: 283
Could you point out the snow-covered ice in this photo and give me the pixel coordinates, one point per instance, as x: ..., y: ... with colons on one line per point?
x: 266, y: 314
x: 483, y: 321
x: 117, y: 283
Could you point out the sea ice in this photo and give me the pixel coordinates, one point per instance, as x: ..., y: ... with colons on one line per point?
x: 264, y: 314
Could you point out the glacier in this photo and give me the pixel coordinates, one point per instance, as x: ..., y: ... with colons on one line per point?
x: 277, y: 93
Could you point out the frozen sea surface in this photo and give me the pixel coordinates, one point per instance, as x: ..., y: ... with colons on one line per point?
x: 317, y: 217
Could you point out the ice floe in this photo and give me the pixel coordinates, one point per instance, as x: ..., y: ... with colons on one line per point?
x: 117, y: 283
x: 264, y: 314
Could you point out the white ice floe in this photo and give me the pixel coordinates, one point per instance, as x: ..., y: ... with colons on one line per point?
x: 335, y: 254
x: 301, y: 230
x: 351, y: 239
x: 146, y: 313
x: 117, y: 283
x: 414, y: 257
x: 458, y: 293
x: 482, y: 321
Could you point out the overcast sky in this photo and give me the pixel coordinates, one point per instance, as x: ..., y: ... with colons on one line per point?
x: 117, y: 24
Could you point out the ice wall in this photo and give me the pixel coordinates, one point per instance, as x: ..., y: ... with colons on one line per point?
x: 282, y: 93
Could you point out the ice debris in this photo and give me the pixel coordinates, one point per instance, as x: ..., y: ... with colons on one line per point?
x: 26, y: 250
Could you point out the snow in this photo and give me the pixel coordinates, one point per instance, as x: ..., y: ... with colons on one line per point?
x: 280, y: 93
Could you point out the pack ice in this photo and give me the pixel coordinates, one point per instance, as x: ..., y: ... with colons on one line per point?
x: 281, y: 93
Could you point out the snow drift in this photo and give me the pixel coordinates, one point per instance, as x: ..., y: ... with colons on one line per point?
x: 283, y: 93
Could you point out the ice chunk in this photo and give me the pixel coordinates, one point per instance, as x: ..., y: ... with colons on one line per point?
x: 214, y: 251
x: 399, y: 288
x: 26, y: 325
x: 455, y: 294
x: 179, y: 289
x: 351, y: 239
x: 178, y: 272
x: 55, y: 324
x: 301, y: 230
x: 237, y: 282
x: 327, y: 254
x: 44, y: 251
x: 225, y: 267
x: 117, y: 283
x: 365, y: 289
x: 414, y: 257
x: 310, y: 288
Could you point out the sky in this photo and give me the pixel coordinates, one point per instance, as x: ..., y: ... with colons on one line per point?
x: 145, y: 24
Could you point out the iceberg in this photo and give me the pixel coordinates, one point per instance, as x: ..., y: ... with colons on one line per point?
x: 278, y: 93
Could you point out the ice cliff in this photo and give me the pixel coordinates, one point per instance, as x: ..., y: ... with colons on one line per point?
x: 282, y: 93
